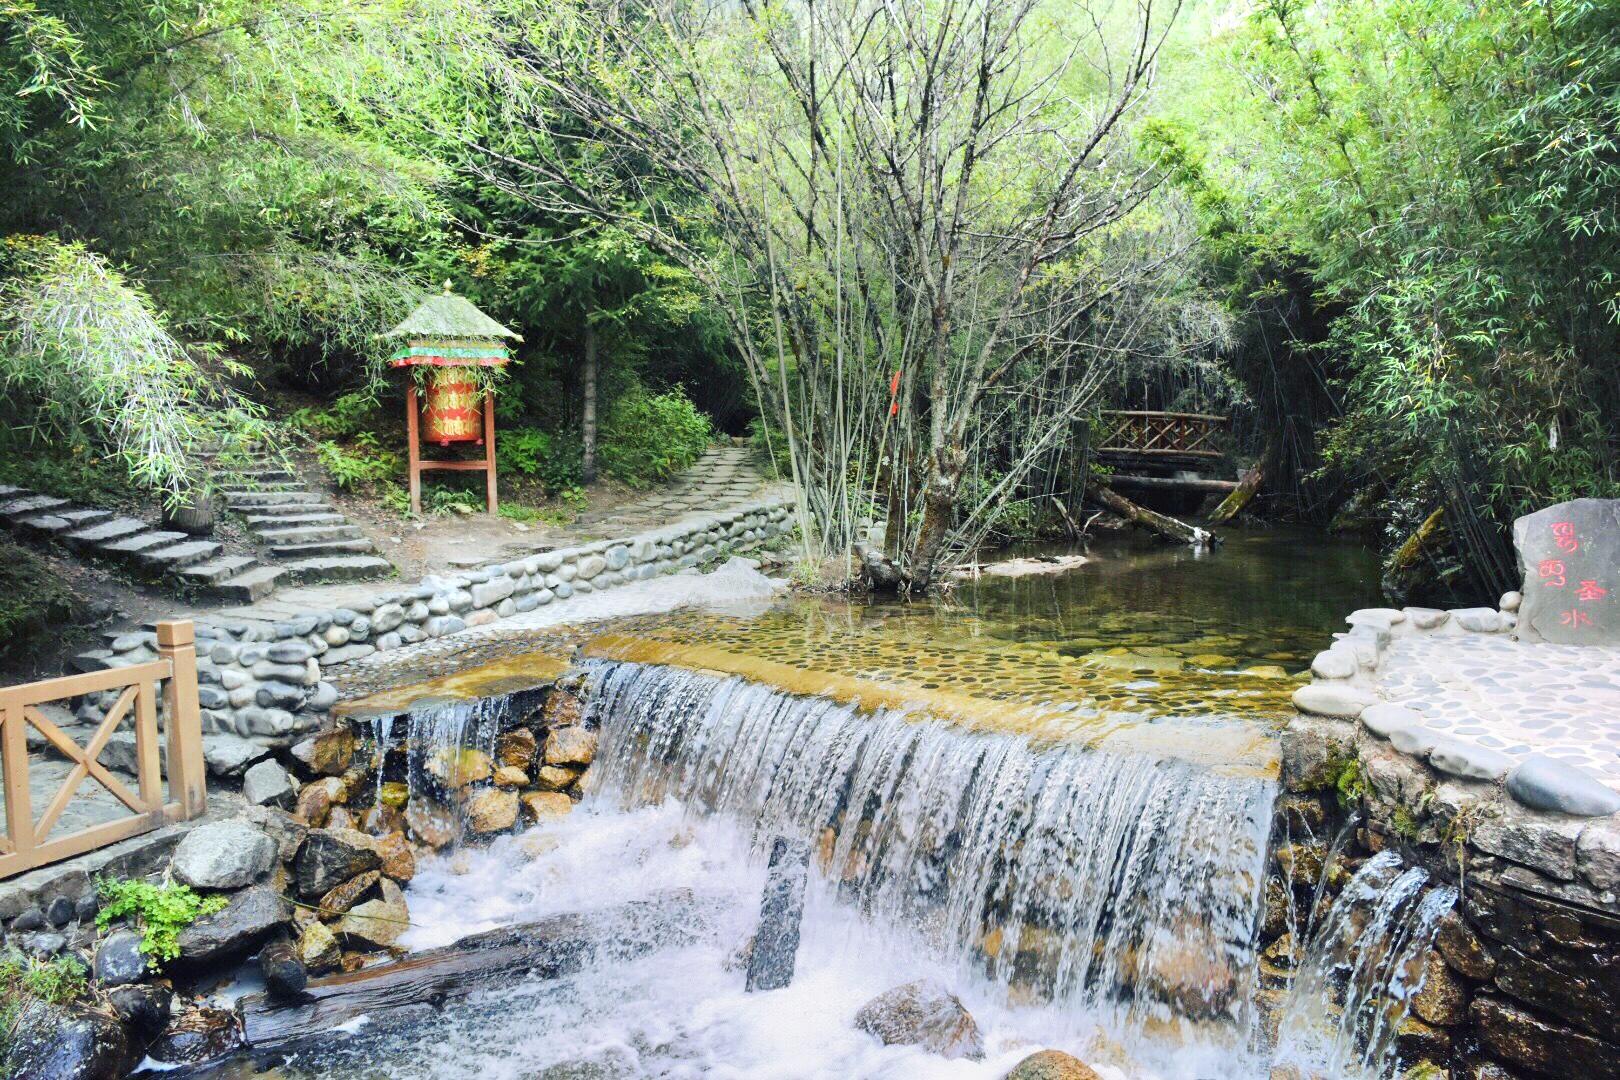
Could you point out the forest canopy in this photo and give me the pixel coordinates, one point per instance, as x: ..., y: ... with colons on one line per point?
x: 924, y: 244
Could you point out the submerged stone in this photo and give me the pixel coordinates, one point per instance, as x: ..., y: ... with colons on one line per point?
x: 924, y: 1014
x: 1052, y: 1065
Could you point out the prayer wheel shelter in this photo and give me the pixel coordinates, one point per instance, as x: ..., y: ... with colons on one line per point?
x: 455, y: 353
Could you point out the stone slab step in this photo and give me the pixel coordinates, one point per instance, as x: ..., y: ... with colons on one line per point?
x: 146, y: 541
x: 26, y: 505
x: 339, y: 568
x: 322, y: 547
x: 249, y: 586
x: 11, y: 491
x: 261, y: 523
x: 217, y: 570
x: 106, y: 532
x: 94, y: 660
x: 289, y: 484
x: 260, y: 499
x: 309, y: 534
x: 178, y: 556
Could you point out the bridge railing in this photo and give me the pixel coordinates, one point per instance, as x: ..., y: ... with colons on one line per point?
x: 27, y: 842
x: 1165, y: 434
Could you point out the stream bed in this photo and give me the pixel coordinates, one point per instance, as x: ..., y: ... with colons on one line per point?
x: 994, y: 819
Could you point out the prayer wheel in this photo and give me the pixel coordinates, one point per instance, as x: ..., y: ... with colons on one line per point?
x: 454, y: 408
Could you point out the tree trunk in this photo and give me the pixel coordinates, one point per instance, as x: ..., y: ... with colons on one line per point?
x: 1234, y: 503
x: 1163, y: 524
x: 1409, y: 565
x: 588, y: 423
x: 939, y: 510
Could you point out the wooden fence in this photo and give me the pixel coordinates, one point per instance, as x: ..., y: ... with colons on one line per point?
x: 1160, y: 434
x: 27, y: 841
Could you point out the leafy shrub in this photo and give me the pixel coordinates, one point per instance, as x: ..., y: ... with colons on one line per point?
x: 347, y: 416
x: 160, y: 912
x: 556, y: 459
x: 365, y: 462
x: 649, y: 437
x: 32, y: 597
x: 60, y: 981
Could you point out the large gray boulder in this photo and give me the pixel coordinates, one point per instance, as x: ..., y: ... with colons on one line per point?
x: 66, y: 1042
x: 223, y: 855
x: 246, y: 922
x: 1569, y: 555
x: 267, y: 784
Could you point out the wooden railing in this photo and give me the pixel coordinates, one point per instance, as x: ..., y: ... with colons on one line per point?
x: 26, y: 843
x: 1164, y: 434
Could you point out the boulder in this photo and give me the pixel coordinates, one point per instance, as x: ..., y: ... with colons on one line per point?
x: 1541, y: 783
x: 198, y: 1035
x: 398, y: 860
x: 429, y: 824
x: 230, y: 755
x: 510, y: 776
x: 516, y: 748
x: 376, y: 923
x: 1567, y: 554
x: 491, y: 810
x: 458, y: 767
x: 317, y: 798
x: 119, y: 959
x: 326, y: 754
x: 250, y: 917
x: 66, y: 1042
x: 556, y: 777
x: 318, y: 948
x: 285, y: 829
x: 540, y: 806
x: 570, y: 746
x: 329, y: 857
x: 1051, y: 1065
x: 924, y: 1014
x: 223, y: 855
x: 267, y: 784
x: 143, y: 1007
x: 1442, y: 997
x: 345, y: 896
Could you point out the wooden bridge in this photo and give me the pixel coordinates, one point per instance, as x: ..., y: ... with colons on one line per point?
x: 1157, y: 441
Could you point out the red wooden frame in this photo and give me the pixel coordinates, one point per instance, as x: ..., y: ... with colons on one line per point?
x: 418, y: 464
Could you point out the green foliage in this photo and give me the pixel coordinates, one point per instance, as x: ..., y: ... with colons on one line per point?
x: 345, y: 417
x: 1349, y: 781
x: 649, y: 437
x: 363, y: 463
x: 32, y: 597
x: 59, y: 981
x: 160, y: 912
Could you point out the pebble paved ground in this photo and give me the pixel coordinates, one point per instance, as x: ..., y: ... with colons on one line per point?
x: 1562, y: 701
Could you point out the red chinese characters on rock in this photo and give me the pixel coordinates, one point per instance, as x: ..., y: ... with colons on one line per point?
x: 1553, y: 575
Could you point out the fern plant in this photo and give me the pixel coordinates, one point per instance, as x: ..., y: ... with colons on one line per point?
x: 160, y: 912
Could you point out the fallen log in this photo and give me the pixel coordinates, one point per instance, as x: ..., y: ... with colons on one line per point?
x: 1075, y: 532
x: 1174, y: 483
x: 1409, y: 565
x: 1245, y: 490
x: 547, y: 949
x: 1163, y: 524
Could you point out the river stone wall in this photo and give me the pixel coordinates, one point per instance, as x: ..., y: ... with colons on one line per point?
x: 1526, y: 972
x: 261, y: 684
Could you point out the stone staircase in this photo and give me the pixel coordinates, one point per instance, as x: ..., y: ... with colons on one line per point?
x: 192, y: 562
x: 300, y: 533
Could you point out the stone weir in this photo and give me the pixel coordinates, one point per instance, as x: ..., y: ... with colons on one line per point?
x: 1486, y: 754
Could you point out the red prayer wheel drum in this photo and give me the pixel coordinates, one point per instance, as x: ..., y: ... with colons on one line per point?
x: 454, y: 408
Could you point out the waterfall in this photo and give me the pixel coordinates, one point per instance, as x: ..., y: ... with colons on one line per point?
x: 1362, y: 966
x: 1117, y: 882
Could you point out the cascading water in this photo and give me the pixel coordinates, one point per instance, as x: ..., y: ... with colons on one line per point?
x: 1120, y: 883
x: 1362, y: 966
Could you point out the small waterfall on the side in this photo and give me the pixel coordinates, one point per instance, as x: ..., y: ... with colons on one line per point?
x: 1116, y: 882
x: 1360, y: 970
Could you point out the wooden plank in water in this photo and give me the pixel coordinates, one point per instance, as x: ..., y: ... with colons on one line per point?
x: 547, y: 949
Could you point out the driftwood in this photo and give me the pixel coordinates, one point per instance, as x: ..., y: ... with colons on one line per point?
x: 1075, y: 532
x: 1408, y: 564
x: 1174, y: 483
x: 1163, y: 524
x: 546, y: 949
x: 1233, y: 504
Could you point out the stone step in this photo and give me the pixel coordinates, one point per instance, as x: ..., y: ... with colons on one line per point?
x: 261, y: 523
x: 106, y: 532
x: 147, y: 541
x: 268, y: 514
x: 250, y: 487
x: 56, y: 522
x: 308, y: 534
x: 217, y: 570
x: 11, y: 491
x: 340, y: 568
x: 263, y: 474
x: 175, y: 557
x: 27, y: 505
x: 263, y: 499
x: 249, y: 586
x: 94, y: 660
x: 322, y: 547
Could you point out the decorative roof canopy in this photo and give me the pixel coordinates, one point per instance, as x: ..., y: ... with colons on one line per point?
x: 448, y: 331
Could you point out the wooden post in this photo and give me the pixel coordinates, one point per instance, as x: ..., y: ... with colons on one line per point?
x: 491, y: 503
x: 188, y: 782
x: 14, y: 763
x: 412, y: 452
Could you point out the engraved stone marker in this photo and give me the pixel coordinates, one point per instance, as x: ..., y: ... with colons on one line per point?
x: 1570, y: 557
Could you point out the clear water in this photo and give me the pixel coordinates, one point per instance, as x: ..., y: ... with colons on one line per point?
x: 1101, y: 903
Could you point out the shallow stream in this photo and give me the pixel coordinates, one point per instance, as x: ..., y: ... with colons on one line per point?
x: 982, y: 808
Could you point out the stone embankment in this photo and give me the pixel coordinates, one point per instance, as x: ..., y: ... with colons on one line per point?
x: 1491, y: 763
x: 264, y: 680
